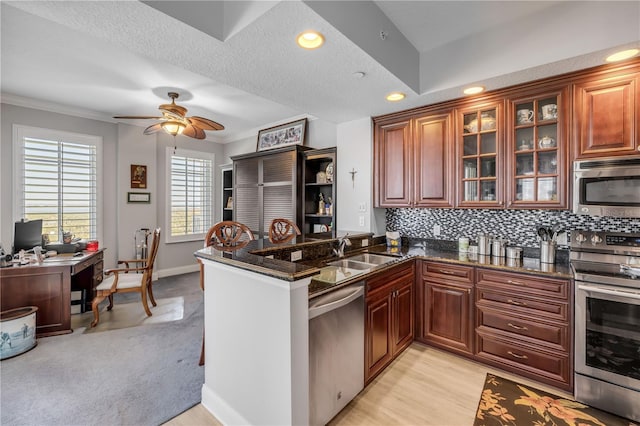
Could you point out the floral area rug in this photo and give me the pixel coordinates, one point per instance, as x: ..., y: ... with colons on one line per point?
x: 506, y: 403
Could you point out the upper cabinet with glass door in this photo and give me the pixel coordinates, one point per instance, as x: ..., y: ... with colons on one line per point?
x: 537, y: 147
x: 480, y: 142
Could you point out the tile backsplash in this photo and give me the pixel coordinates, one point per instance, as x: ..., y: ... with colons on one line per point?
x: 518, y: 226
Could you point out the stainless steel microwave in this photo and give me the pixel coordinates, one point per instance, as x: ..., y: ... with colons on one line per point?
x: 607, y: 186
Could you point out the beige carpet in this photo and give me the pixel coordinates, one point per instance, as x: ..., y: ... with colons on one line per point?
x: 130, y: 314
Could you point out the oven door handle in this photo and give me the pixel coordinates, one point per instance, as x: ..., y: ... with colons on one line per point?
x: 600, y: 290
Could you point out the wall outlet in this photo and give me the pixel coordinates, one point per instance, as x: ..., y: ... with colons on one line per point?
x: 364, y: 242
x: 436, y: 230
x: 361, y: 220
x: 362, y: 207
x: 269, y: 257
x: 296, y: 255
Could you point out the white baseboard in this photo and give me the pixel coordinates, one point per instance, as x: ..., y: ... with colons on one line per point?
x: 178, y: 270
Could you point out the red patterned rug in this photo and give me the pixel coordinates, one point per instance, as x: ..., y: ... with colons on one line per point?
x: 506, y: 403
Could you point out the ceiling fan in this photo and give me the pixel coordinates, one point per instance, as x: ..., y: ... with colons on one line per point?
x: 175, y: 123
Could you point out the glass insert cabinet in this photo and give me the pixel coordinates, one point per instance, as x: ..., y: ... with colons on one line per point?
x: 537, y: 146
x: 481, y: 143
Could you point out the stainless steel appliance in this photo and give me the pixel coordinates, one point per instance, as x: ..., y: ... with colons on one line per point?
x: 336, y: 351
x: 607, y: 186
x: 607, y: 320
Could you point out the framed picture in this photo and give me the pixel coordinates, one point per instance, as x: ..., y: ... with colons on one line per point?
x: 230, y: 203
x: 139, y: 197
x: 138, y: 176
x: 283, y: 135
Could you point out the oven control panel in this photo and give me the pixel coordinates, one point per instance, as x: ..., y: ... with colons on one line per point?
x: 581, y: 239
x: 623, y: 240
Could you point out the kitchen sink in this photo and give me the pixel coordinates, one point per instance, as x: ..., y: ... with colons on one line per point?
x: 352, y: 264
x: 374, y: 259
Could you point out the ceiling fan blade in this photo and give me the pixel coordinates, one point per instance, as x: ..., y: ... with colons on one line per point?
x: 194, y: 132
x: 205, y: 123
x: 137, y: 117
x: 173, y: 109
x: 153, y: 128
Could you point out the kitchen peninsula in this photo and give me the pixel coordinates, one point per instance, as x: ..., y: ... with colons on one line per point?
x: 256, y: 322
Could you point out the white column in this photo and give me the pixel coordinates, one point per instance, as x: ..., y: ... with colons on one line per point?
x: 256, y: 347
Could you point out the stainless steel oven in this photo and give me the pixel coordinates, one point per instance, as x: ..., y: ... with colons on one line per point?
x: 606, y: 269
x: 607, y: 186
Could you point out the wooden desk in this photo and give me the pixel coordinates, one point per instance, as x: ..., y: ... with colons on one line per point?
x: 48, y: 286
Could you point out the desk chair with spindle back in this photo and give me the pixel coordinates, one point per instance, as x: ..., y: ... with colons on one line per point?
x: 227, y: 235
x: 125, y: 280
x: 282, y: 231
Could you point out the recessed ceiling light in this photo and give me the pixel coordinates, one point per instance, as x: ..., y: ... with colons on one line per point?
x: 358, y: 74
x: 473, y: 90
x: 395, y: 96
x: 621, y: 56
x: 310, y: 39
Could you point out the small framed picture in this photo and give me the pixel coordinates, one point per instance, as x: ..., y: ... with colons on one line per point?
x: 284, y: 135
x: 230, y: 202
x: 138, y: 176
x: 139, y: 197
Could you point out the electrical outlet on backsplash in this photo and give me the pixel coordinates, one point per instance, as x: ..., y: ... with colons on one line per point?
x: 518, y: 226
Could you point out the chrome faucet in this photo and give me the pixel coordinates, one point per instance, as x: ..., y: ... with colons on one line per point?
x: 342, y: 243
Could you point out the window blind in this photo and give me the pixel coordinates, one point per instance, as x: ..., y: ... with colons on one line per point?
x: 60, y: 186
x: 191, y: 195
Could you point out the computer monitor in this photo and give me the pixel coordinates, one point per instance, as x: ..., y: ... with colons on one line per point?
x: 27, y: 235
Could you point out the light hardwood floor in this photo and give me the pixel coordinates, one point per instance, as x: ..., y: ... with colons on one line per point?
x: 423, y: 386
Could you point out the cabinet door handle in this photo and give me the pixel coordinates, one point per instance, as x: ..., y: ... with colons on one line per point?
x: 517, y: 327
x: 447, y: 272
x: 516, y: 303
x: 517, y: 355
x: 517, y: 283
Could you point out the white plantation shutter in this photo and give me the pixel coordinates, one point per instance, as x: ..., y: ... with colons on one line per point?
x: 57, y: 181
x: 191, y: 194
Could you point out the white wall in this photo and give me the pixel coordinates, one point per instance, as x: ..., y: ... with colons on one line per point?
x: 355, y: 153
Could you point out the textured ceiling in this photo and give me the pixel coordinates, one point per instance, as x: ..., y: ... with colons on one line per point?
x: 237, y: 63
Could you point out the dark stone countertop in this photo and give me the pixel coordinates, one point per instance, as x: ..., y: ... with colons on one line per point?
x: 434, y: 250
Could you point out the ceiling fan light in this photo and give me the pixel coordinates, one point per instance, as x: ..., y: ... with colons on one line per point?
x: 173, y: 127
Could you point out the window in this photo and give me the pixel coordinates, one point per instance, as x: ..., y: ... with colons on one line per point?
x: 57, y: 180
x: 190, y: 187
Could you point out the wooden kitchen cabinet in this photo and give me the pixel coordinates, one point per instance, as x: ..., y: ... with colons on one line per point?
x: 606, y: 115
x: 389, y: 325
x: 523, y: 325
x: 445, y: 314
x: 480, y: 140
x: 537, y: 149
x: 413, y: 161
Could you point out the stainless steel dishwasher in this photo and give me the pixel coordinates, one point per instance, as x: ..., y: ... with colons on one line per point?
x: 336, y: 351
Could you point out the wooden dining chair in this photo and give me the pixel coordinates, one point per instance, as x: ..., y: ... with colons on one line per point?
x: 282, y: 231
x: 125, y: 280
x: 227, y: 235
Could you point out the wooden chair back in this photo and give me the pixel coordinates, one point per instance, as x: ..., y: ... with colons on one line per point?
x: 228, y: 235
x: 282, y: 231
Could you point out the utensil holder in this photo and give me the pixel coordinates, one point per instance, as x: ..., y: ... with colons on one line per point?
x: 547, y: 252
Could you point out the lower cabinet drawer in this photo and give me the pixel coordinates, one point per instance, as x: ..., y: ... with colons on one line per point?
x: 524, y: 359
x: 535, y: 307
x: 555, y: 334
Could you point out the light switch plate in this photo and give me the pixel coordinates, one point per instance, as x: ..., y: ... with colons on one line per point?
x: 361, y: 220
x: 364, y: 242
x: 296, y: 255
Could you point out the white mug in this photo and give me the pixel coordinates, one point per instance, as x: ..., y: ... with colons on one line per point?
x: 549, y: 111
x: 524, y: 116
